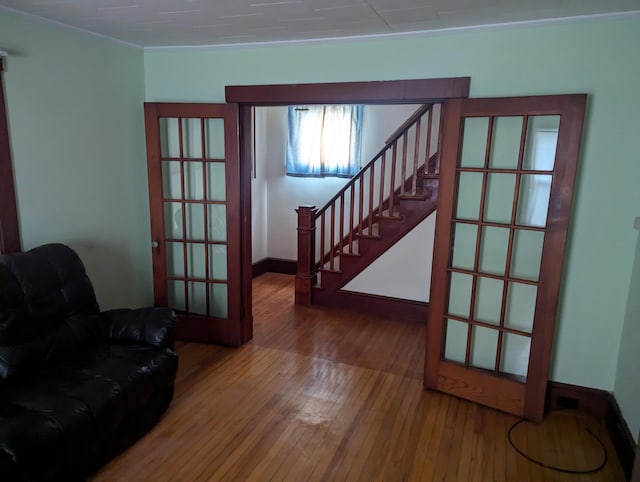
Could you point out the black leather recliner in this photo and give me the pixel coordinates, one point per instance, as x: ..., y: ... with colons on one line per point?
x: 77, y: 386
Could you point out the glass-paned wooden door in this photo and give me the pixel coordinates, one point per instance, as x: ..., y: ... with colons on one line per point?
x: 507, y: 176
x: 192, y: 154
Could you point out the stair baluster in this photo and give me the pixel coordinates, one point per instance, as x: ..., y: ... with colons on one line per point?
x: 416, y: 159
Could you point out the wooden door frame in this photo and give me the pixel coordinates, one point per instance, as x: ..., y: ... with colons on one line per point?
x: 416, y: 91
x: 9, y: 225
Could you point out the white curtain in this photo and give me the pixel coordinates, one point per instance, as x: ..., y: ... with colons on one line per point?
x: 324, y: 140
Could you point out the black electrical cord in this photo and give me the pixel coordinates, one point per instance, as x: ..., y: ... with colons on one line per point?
x: 561, y: 469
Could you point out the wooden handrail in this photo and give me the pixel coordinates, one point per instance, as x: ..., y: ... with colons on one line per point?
x: 388, y: 145
x: 408, y: 123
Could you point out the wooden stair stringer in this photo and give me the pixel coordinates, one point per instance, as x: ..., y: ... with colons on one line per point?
x: 391, y: 231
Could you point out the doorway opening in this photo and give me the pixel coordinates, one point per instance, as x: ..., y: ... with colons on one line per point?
x: 374, y: 93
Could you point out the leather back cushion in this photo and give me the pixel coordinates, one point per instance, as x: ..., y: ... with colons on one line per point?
x: 22, y: 360
x: 39, y: 290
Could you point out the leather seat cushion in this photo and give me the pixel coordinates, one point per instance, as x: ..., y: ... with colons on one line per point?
x: 70, y: 410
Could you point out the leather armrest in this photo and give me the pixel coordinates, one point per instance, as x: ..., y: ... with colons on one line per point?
x: 153, y: 326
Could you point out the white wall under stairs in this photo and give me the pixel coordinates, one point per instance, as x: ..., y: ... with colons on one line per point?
x: 404, y: 271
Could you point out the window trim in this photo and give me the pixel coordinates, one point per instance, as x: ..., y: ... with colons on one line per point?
x: 9, y: 226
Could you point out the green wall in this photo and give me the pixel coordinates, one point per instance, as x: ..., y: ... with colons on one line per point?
x: 599, y: 57
x: 627, y: 387
x: 77, y: 132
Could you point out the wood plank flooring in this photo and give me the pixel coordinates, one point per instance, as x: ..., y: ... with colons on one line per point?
x: 323, y: 395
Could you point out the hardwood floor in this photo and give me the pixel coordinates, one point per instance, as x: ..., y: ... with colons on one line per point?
x: 323, y: 394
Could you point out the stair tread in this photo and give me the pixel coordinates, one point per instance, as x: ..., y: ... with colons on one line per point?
x: 419, y: 196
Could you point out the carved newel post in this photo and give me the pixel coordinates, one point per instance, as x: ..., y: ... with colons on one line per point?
x: 306, y: 272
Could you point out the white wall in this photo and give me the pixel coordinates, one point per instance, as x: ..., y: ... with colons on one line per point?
x: 285, y: 193
x: 378, y: 123
x: 405, y: 270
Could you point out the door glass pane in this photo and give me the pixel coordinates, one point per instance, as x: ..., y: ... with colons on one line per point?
x: 493, y: 252
x: 527, y: 254
x: 214, y: 132
x: 474, y: 141
x: 505, y: 147
x: 171, y: 184
x: 192, y: 138
x: 499, y: 198
x: 195, y: 260
x: 175, y: 259
x: 533, y: 201
x: 515, y: 354
x: 216, y: 188
x: 198, y: 298
x: 173, y: 220
x: 542, y: 139
x: 175, y: 292
x: 217, y: 222
x: 217, y: 262
x: 464, y: 246
x: 455, y: 346
x: 460, y: 294
x: 488, y: 300
x: 521, y: 306
x: 484, y: 347
x: 193, y: 181
x: 218, y: 300
x: 469, y: 194
x: 169, y: 137
x: 195, y: 221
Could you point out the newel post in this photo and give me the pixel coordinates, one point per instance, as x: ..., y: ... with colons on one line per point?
x: 306, y: 272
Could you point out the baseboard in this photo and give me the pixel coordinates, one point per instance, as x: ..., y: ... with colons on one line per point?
x: 260, y: 267
x: 415, y: 311
x: 591, y: 400
x: 622, y: 439
x: 274, y: 265
x: 603, y: 406
x: 408, y: 310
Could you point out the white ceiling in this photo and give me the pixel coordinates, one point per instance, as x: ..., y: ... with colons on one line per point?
x: 214, y: 22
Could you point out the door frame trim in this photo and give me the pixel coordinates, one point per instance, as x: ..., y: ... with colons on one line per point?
x: 414, y: 91
x: 9, y: 221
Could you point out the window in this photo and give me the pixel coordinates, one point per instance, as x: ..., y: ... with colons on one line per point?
x: 324, y: 140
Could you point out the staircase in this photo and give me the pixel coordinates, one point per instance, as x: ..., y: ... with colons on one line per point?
x: 388, y: 197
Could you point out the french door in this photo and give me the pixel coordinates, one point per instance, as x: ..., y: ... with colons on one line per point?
x: 507, y: 173
x: 194, y: 193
